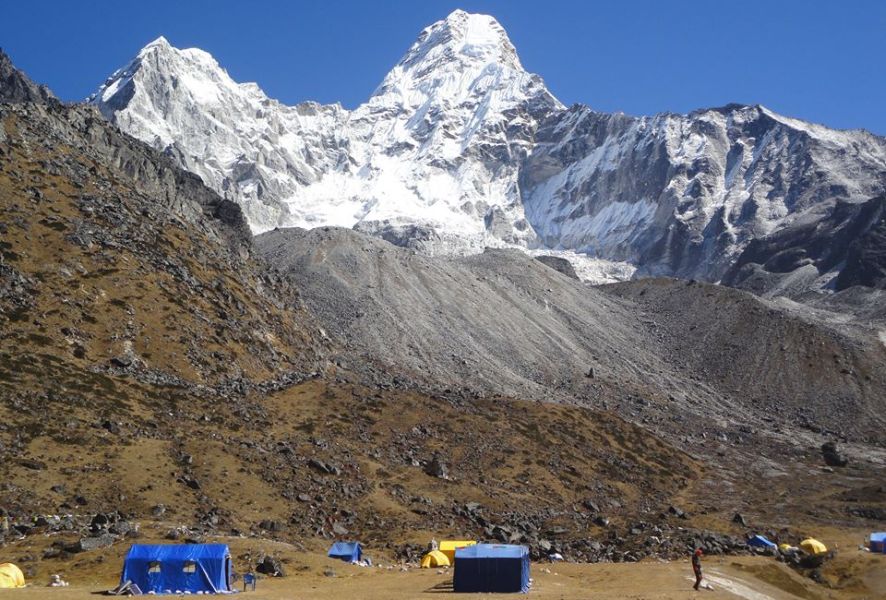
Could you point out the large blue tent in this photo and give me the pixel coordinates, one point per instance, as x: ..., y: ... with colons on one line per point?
x: 178, y: 568
x: 878, y: 542
x: 491, y: 568
x: 346, y: 551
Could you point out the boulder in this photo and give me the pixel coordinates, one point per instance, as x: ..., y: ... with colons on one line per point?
x: 269, y: 525
x: 94, y: 543
x: 832, y: 456
x: 270, y: 566
x: 677, y: 512
x: 558, y: 264
x: 437, y: 468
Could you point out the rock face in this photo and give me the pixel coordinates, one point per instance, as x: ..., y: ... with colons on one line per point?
x: 16, y: 87
x: 866, y: 255
x: 844, y: 249
x: 460, y: 148
x: 685, y: 194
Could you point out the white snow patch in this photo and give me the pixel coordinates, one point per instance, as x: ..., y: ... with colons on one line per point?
x: 595, y: 271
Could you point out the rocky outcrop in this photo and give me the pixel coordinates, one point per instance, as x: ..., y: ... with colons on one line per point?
x: 865, y: 263
x: 843, y: 249
x: 16, y: 87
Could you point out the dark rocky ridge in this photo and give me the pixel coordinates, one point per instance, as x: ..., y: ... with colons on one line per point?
x: 16, y: 87
x: 84, y: 202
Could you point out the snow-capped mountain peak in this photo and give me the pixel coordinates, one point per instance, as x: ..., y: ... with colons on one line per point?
x: 437, y: 146
x: 160, y: 43
x: 463, y: 38
x: 465, y: 60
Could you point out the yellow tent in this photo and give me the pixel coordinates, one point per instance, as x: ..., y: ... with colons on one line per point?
x: 448, y: 547
x: 813, y: 546
x: 784, y: 547
x: 434, y: 558
x: 11, y: 576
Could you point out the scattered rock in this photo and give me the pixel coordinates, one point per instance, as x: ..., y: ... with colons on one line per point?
x: 191, y: 482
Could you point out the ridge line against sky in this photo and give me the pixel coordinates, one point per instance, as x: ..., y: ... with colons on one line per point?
x: 819, y: 61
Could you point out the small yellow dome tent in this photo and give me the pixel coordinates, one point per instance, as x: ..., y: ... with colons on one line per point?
x: 448, y: 547
x: 11, y: 576
x: 813, y: 546
x: 434, y: 558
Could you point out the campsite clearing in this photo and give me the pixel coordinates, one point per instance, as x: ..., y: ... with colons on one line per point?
x: 748, y: 578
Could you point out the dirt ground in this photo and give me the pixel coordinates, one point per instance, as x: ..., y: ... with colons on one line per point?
x: 315, y: 577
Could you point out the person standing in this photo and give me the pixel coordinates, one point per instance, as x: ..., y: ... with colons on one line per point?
x: 696, y: 567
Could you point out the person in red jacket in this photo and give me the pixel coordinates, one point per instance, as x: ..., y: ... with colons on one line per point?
x: 696, y: 567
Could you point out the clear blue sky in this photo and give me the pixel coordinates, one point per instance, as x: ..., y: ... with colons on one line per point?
x: 818, y: 60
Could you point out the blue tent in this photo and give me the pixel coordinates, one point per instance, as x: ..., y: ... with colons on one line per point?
x: 878, y: 542
x: 346, y: 551
x: 491, y: 568
x: 178, y: 568
x: 759, y: 541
